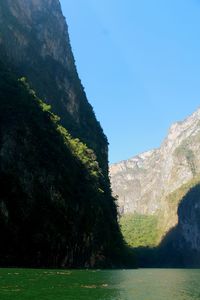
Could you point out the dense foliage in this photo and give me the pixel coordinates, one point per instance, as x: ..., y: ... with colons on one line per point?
x: 140, y: 230
x: 56, y: 207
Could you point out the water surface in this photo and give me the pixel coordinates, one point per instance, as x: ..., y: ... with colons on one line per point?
x: 142, y: 284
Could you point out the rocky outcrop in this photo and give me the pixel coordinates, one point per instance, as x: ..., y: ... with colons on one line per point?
x: 34, y: 40
x: 154, y: 182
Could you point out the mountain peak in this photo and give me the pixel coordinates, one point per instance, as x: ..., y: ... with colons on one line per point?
x: 183, y: 129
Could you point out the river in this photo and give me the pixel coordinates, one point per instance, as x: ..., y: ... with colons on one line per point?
x: 141, y: 284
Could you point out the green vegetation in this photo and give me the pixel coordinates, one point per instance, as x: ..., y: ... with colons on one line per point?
x: 78, y: 149
x: 56, y: 207
x: 147, y: 230
x: 176, y: 250
x: 51, y: 78
x: 140, y: 230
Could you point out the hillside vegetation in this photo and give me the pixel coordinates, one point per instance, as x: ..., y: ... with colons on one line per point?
x: 55, y: 205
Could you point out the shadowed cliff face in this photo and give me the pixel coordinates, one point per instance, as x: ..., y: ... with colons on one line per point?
x: 189, y: 219
x: 153, y: 183
x: 56, y: 207
x: 180, y: 247
x: 34, y: 40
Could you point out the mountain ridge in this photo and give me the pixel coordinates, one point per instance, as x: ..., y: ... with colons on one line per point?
x: 148, y: 184
x: 171, y: 128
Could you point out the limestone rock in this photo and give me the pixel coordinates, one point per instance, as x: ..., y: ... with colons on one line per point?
x: 145, y: 183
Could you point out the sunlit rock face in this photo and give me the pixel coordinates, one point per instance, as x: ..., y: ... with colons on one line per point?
x: 34, y: 40
x: 153, y: 182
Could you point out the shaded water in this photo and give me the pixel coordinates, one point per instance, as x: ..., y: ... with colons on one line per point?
x: 142, y: 284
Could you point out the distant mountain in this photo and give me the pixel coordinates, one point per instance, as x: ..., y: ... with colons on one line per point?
x: 56, y: 207
x: 150, y: 186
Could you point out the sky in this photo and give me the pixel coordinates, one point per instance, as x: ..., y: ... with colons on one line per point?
x: 139, y: 62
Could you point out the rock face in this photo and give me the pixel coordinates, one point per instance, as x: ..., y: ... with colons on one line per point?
x: 181, y: 246
x: 56, y: 207
x: 34, y: 40
x: 153, y: 182
x: 189, y: 221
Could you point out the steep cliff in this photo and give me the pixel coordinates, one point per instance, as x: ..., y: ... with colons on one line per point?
x: 153, y: 183
x: 182, y: 244
x: 180, y: 247
x: 34, y: 40
x: 56, y: 207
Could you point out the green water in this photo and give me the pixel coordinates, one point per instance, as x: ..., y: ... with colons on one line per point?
x: 143, y: 284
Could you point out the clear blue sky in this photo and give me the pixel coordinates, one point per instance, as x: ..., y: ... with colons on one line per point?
x: 139, y: 61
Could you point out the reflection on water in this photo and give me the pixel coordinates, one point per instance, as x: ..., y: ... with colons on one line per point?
x: 142, y: 284
x: 160, y: 284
